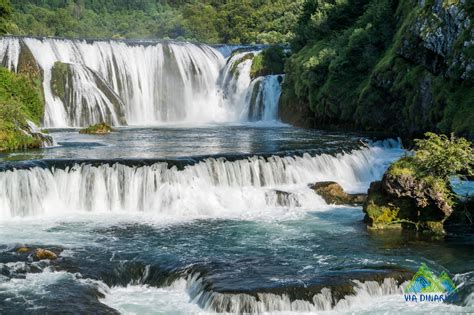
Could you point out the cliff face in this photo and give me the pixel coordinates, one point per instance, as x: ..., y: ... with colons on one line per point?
x: 402, y: 66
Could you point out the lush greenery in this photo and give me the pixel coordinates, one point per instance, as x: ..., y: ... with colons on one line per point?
x: 362, y: 64
x: 97, y: 129
x: 270, y: 61
x: 20, y: 101
x: 211, y: 21
x: 444, y: 157
x: 416, y: 190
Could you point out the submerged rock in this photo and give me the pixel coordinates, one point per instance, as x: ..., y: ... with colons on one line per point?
x: 404, y: 199
x: 333, y: 193
x: 43, y: 254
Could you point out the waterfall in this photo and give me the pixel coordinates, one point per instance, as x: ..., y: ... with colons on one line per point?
x: 210, y: 188
x: 263, y: 97
x: 140, y: 83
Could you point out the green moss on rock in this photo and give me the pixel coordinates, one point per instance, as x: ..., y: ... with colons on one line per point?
x: 97, y: 129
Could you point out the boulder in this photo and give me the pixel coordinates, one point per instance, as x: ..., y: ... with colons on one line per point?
x: 43, y: 254
x: 405, y: 199
x: 333, y: 193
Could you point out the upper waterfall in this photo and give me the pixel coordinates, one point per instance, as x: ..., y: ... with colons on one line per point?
x: 133, y: 83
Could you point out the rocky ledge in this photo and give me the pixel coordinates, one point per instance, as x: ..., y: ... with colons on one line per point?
x: 333, y: 193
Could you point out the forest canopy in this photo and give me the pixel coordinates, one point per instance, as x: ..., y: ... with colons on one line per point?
x: 209, y: 21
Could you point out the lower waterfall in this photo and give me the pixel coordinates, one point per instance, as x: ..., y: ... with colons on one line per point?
x: 210, y: 188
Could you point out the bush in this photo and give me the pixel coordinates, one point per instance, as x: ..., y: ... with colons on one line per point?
x: 443, y: 157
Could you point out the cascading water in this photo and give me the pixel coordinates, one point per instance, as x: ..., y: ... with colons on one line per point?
x: 213, y: 187
x: 137, y: 83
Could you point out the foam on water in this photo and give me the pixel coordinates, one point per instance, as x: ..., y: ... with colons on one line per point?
x: 183, y: 296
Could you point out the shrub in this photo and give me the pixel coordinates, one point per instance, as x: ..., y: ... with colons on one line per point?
x: 443, y: 157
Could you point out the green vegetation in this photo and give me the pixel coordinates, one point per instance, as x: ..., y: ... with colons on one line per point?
x: 444, y: 157
x: 210, y: 21
x: 416, y: 191
x: 363, y: 64
x: 269, y: 61
x: 97, y: 129
x: 20, y: 101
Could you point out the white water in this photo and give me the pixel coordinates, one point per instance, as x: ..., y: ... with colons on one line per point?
x: 185, y: 294
x: 211, y: 188
x: 156, y: 82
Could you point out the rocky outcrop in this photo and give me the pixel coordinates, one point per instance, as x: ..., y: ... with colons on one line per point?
x: 333, y: 193
x: 404, y: 199
x: 72, y: 84
x: 439, y: 38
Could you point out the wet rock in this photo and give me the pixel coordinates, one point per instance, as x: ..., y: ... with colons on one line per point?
x: 283, y: 198
x: 333, y: 193
x: 88, y: 99
x: 23, y: 250
x: 43, y: 254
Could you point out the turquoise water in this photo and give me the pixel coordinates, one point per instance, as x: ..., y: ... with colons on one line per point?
x: 216, y: 241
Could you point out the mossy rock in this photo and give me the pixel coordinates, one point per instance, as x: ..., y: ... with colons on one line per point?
x: 97, y: 129
x: 406, y: 199
x: 333, y: 193
x: 44, y: 254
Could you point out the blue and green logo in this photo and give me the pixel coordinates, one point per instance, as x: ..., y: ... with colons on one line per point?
x: 427, y: 287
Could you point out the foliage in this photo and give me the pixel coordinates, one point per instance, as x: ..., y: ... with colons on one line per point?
x: 20, y: 101
x: 210, y: 21
x: 350, y: 67
x: 443, y: 157
x: 270, y: 61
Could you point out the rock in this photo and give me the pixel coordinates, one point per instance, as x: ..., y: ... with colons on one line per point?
x: 98, y: 129
x: 74, y: 84
x: 404, y: 199
x: 43, y: 254
x: 23, y: 250
x: 333, y: 193
x: 283, y: 198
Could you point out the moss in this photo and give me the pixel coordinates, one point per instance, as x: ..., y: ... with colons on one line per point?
x: 97, y: 129
x: 236, y: 64
x: 269, y: 61
x: 60, y: 74
x: 257, y: 68
x: 404, y: 166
